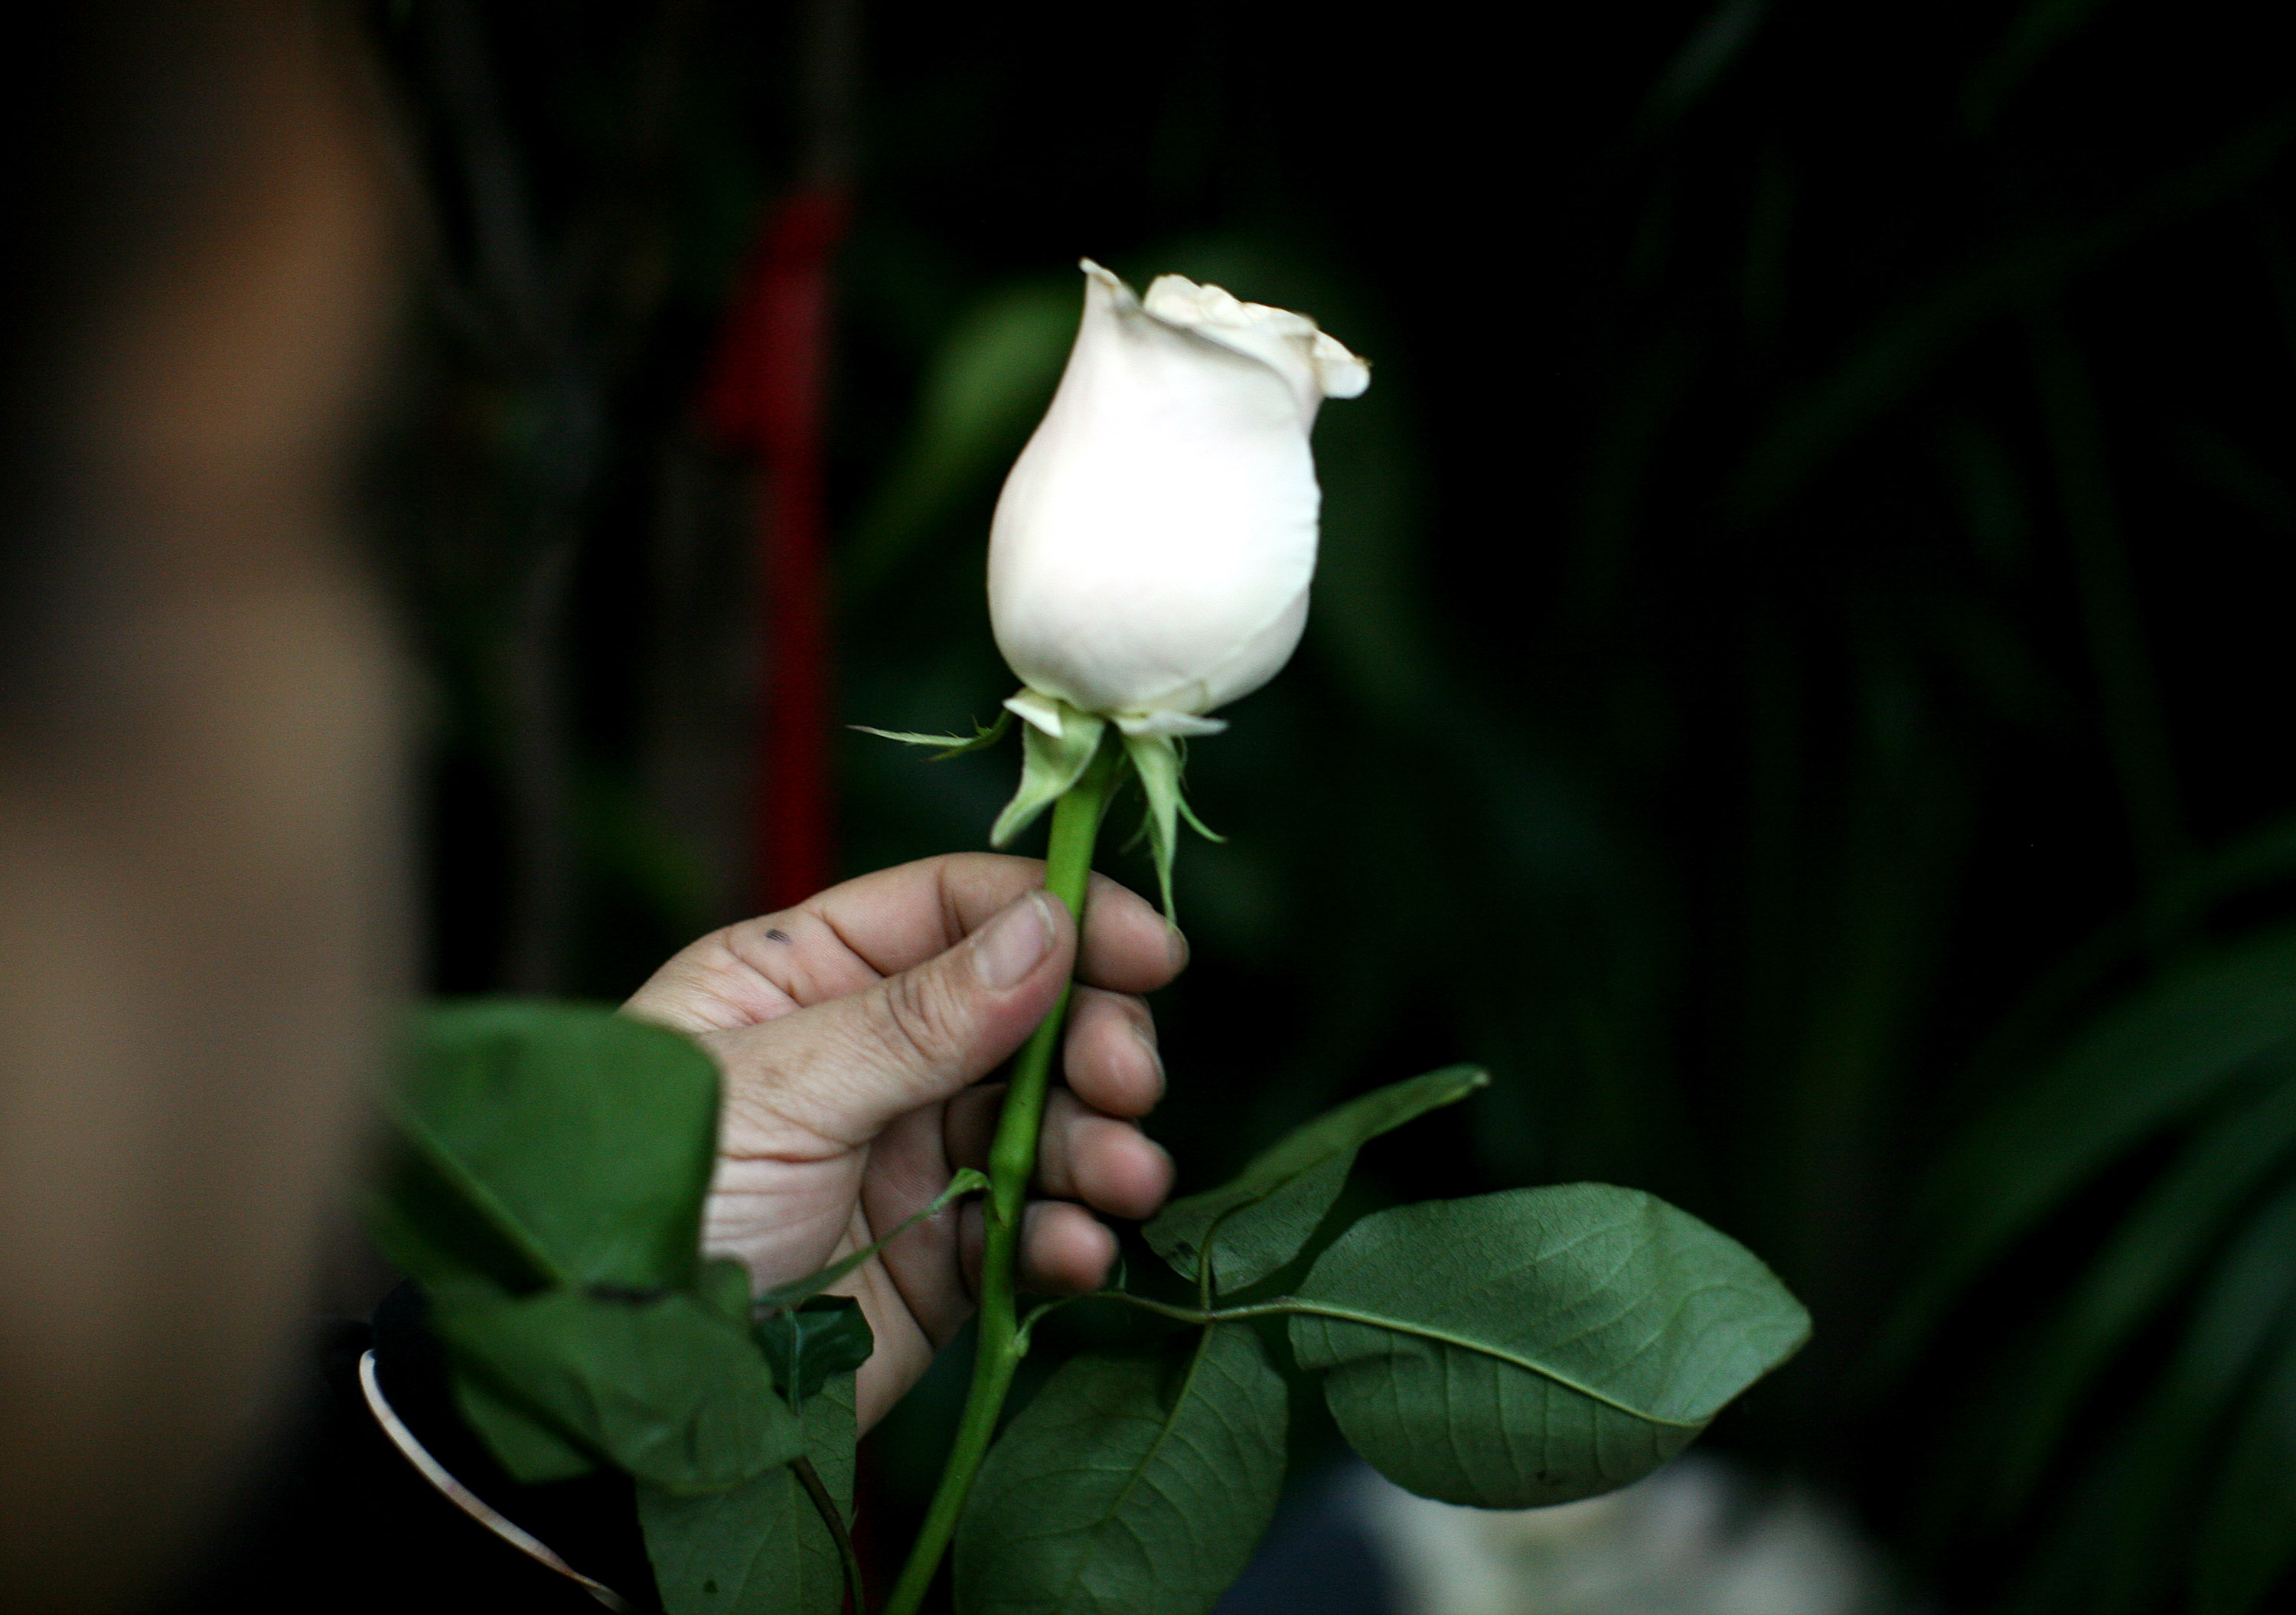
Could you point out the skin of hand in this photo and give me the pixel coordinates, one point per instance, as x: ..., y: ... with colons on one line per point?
x: 852, y: 1033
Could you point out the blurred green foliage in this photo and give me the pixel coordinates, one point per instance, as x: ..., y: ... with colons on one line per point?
x: 1797, y: 684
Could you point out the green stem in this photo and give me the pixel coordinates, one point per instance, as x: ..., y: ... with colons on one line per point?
x: 1012, y: 1163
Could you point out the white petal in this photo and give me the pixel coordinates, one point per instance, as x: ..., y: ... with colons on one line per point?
x: 1041, y: 710
x: 1316, y: 365
x: 1167, y: 723
x: 1343, y: 375
x: 1258, y: 657
x: 1160, y: 519
x: 1153, y: 547
x: 1111, y: 282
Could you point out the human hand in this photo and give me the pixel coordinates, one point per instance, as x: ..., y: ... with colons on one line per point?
x: 852, y: 1031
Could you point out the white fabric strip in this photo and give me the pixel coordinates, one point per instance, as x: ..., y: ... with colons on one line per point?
x: 462, y: 1496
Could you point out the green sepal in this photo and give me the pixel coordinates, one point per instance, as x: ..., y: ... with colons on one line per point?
x: 805, y: 1345
x: 1198, y: 825
x: 982, y: 737
x: 1156, y: 759
x: 1050, y: 764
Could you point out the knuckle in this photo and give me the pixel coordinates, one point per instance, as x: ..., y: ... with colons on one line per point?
x: 916, y: 1021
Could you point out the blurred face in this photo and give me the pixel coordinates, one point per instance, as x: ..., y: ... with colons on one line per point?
x: 198, y: 856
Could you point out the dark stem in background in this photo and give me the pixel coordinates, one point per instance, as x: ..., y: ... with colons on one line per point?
x: 532, y: 680
x: 521, y: 301
x: 2135, y: 723
x: 532, y: 303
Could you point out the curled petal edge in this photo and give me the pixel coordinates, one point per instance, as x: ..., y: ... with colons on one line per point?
x: 1040, y: 710
x: 1277, y: 338
x: 1166, y: 724
x: 1045, y: 712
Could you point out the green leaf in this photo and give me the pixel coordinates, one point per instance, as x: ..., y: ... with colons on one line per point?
x: 525, y: 1444
x: 666, y: 1387
x: 551, y: 1143
x: 724, y: 1287
x: 436, y: 1222
x: 2153, y: 1059
x: 1265, y: 1215
x: 2149, y: 1259
x: 965, y: 1180
x: 1532, y: 1347
x: 1133, y: 1484
x: 2248, y: 1532
x: 806, y: 1344
x: 761, y: 1548
x: 1050, y: 763
x: 546, y: 1188
x: 952, y: 745
x: 2112, y: 1551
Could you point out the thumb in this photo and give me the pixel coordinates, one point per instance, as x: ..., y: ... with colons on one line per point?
x: 844, y: 1068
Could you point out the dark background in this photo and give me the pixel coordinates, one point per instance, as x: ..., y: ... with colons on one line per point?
x: 1798, y: 679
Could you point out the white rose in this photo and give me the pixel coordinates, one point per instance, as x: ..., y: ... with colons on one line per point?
x: 1151, y: 553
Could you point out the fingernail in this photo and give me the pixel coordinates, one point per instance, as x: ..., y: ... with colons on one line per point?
x: 1178, y: 945
x: 1012, y: 944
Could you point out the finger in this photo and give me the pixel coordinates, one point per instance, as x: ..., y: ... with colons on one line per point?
x: 907, y: 1170
x: 847, y: 937
x: 841, y: 1070
x: 1064, y: 1250
x: 1110, y: 1057
x: 757, y: 971
x: 896, y: 918
x: 1108, y: 1165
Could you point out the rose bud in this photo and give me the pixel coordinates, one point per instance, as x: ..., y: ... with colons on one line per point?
x: 1151, y: 553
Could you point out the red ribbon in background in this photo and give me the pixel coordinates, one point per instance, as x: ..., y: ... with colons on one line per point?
x: 765, y: 395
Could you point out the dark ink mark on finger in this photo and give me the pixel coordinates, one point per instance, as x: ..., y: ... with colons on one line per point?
x: 778, y: 935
